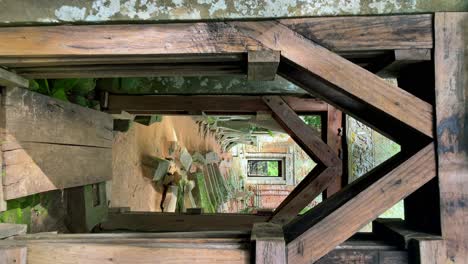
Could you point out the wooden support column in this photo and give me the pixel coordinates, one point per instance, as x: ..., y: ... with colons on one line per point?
x: 334, y: 128
x: 269, y: 245
x: 451, y: 81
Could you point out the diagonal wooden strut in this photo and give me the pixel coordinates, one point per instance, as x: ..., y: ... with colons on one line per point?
x: 347, y: 215
x: 329, y: 165
x: 342, y: 83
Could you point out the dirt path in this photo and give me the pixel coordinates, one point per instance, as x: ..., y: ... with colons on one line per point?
x: 132, y: 185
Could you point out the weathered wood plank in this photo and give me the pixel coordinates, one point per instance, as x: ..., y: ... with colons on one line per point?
x: 167, y: 104
x: 54, y: 121
x: 334, y: 125
x: 364, y: 256
x: 8, y: 230
x: 13, y: 254
x: 270, y: 247
x: 349, y: 216
x: 396, y: 231
x: 40, y: 167
x: 451, y: 82
x: 62, y: 253
x: 355, y: 89
x: 428, y: 251
x: 366, y: 33
x: 320, y: 177
x: 262, y: 65
x: 169, y: 39
x: 303, y: 135
x: 22, y: 62
x: 133, y: 70
x: 174, y: 222
x: 9, y: 79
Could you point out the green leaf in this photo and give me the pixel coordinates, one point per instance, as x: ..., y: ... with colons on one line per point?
x: 64, y: 84
x: 33, y: 85
x: 81, y: 100
x: 60, y: 94
x: 84, y: 86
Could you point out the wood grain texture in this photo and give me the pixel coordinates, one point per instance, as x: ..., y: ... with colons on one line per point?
x: 397, y: 232
x: 340, y: 74
x: 65, y: 253
x: 54, y: 121
x: 320, y: 177
x: 364, y: 256
x: 303, y: 135
x: 13, y: 255
x: 451, y: 77
x: 428, y: 251
x: 167, y: 104
x: 262, y: 65
x: 174, y: 222
x: 366, y: 33
x: 8, y: 230
x: 334, y: 125
x: 40, y: 167
x: 24, y: 62
x: 352, y: 215
x: 10, y: 79
x: 270, y: 247
x: 169, y: 39
x: 133, y: 70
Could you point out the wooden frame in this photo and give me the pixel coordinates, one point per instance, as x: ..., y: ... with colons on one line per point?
x: 334, y: 78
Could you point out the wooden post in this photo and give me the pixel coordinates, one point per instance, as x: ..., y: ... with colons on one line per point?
x: 334, y: 140
x: 451, y: 93
x: 262, y: 65
x: 269, y: 244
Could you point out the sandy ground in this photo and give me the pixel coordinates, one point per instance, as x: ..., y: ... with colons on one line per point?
x: 131, y: 184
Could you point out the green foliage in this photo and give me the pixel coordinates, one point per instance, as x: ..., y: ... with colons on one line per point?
x: 273, y: 169
x: 204, y: 196
x: 78, y: 91
x: 313, y: 121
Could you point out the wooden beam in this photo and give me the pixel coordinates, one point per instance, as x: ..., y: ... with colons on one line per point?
x: 262, y: 65
x: 320, y: 177
x: 160, y: 59
x: 14, y: 254
x: 9, y: 230
x: 174, y: 222
x: 343, y: 215
x: 131, y: 249
x: 397, y: 232
x: 334, y: 132
x: 402, y: 59
x: 366, y: 32
x: 305, y: 136
x: 342, y: 83
x: 49, y: 144
x: 451, y: 85
x: 428, y: 251
x: 112, y: 40
x: 173, y: 104
x: 9, y: 79
x: 269, y: 244
x: 365, y: 251
x: 133, y: 70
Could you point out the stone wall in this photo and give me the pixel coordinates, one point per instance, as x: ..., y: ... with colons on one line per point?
x: 91, y: 11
